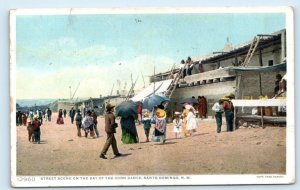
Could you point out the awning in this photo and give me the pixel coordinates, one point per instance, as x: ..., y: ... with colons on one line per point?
x: 278, y: 67
x: 160, y: 88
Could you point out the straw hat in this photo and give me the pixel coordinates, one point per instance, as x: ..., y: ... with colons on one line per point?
x: 146, y: 114
x: 177, y: 113
x: 109, y: 107
x: 35, y: 117
x: 160, y: 113
x: 161, y: 107
x: 231, y: 96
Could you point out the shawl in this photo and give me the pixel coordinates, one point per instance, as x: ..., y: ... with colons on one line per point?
x: 160, y: 124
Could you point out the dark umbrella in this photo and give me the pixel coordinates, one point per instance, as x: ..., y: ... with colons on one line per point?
x: 154, y: 100
x: 189, y: 100
x: 126, y: 109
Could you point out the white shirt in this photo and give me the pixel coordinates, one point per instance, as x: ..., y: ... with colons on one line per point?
x: 217, y: 107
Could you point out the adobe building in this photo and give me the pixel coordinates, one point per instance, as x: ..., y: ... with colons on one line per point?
x: 247, y: 70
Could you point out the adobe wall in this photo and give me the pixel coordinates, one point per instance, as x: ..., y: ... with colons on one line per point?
x: 250, y: 84
x: 213, y: 92
x: 65, y: 105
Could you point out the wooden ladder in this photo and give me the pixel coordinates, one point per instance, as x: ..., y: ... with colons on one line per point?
x: 251, y: 50
x: 174, y: 82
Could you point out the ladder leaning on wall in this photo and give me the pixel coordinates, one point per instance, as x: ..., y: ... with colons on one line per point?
x: 251, y: 50
x: 174, y: 82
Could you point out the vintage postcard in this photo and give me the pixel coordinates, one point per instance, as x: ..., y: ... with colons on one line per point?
x: 152, y: 96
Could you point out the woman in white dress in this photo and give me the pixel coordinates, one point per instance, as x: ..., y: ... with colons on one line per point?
x: 177, y: 125
x: 191, y: 122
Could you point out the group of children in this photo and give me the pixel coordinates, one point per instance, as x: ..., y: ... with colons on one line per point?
x: 184, y: 122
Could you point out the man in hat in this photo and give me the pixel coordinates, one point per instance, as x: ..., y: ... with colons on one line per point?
x: 229, y: 111
x: 110, y: 129
x: 78, y: 120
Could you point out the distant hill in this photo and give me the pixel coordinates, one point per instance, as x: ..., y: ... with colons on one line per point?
x: 34, y: 102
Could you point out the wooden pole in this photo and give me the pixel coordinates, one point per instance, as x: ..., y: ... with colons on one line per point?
x: 261, y: 64
x: 234, y: 119
x: 154, y: 81
x: 262, y: 117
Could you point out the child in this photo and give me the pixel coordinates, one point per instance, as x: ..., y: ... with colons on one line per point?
x: 177, y: 125
x: 147, y: 124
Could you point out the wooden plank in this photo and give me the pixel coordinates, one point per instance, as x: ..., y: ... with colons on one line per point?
x: 259, y: 102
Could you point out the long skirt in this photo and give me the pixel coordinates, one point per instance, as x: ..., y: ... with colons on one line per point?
x: 60, y: 121
x: 128, y: 138
x: 158, y: 136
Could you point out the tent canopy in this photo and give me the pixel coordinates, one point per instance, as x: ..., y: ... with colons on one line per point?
x: 160, y: 88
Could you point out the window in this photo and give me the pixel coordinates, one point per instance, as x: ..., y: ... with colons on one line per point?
x: 270, y: 63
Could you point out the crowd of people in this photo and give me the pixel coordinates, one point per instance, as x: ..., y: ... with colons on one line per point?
x: 22, y: 117
x: 33, y: 120
x: 184, y: 122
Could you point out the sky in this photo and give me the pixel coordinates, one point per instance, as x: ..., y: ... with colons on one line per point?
x: 54, y: 53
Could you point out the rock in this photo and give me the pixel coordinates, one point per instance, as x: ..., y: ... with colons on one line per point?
x: 245, y: 124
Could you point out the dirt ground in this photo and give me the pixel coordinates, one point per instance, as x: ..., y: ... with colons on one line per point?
x: 244, y: 151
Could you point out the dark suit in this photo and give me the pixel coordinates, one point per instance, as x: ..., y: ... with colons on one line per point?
x: 110, y: 130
